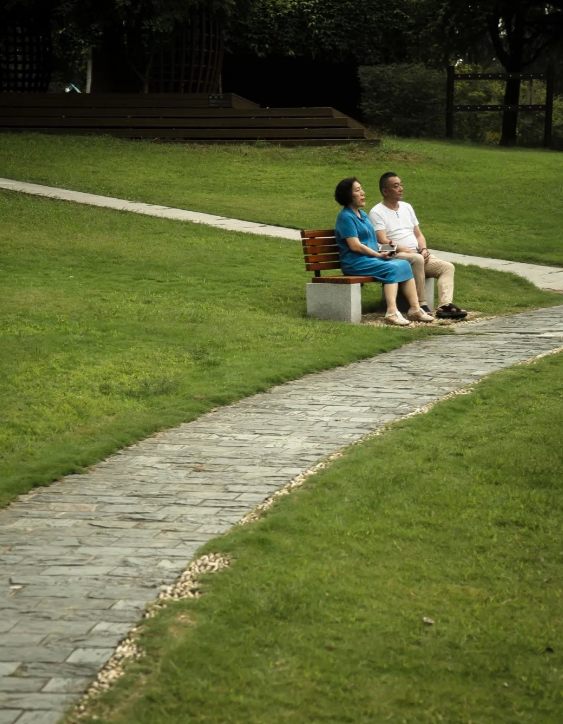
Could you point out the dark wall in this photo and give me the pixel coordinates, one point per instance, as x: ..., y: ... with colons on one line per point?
x: 293, y: 82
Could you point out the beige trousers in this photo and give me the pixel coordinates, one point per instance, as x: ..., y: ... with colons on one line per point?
x: 443, y: 271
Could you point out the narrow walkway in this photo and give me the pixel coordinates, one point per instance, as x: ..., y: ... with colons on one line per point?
x: 81, y: 559
x: 544, y: 277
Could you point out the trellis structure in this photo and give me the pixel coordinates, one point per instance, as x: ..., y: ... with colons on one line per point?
x: 546, y: 107
x: 25, y: 57
x: 192, y: 60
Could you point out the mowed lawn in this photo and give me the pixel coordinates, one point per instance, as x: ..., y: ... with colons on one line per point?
x: 417, y: 580
x: 469, y: 199
x: 116, y: 325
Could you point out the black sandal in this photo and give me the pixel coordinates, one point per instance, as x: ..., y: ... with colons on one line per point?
x: 450, y: 311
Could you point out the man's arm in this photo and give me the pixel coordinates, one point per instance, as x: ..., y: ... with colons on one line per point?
x: 421, y: 242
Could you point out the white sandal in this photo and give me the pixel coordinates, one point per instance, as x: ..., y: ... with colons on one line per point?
x: 399, y: 320
x: 419, y: 315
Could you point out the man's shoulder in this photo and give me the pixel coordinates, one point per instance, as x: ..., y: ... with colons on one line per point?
x: 405, y: 205
x: 377, y: 209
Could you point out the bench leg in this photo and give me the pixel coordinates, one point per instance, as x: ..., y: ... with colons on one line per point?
x: 402, y: 303
x: 337, y: 302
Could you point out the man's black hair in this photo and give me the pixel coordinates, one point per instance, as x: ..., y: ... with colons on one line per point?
x: 343, y: 192
x: 384, y: 178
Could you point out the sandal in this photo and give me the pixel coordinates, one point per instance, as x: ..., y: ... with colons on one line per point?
x: 419, y: 315
x: 399, y: 320
x: 450, y: 311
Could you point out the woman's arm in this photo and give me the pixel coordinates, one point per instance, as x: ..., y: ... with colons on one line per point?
x: 381, y: 235
x: 356, y: 245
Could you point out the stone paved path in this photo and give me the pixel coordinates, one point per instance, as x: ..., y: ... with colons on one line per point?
x: 544, y: 277
x: 80, y: 560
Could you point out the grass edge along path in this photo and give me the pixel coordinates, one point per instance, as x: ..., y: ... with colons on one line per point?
x: 454, y: 187
x: 416, y: 579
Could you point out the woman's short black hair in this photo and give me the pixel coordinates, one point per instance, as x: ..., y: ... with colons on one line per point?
x: 343, y: 192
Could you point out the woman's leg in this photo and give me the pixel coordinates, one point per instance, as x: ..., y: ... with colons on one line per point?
x: 390, y: 293
x: 409, y: 290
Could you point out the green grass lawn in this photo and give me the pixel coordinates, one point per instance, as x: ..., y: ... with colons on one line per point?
x: 455, y: 515
x: 469, y: 199
x: 116, y: 325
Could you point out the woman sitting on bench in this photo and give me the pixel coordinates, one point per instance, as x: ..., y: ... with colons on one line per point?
x: 360, y: 255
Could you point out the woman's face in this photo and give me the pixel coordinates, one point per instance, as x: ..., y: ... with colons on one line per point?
x: 358, y: 196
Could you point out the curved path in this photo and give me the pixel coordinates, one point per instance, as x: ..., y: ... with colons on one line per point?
x: 82, y: 558
x: 542, y: 276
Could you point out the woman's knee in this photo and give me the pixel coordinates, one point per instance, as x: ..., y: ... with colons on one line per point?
x: 405, y: 267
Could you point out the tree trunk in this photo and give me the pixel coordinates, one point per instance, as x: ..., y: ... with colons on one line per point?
x: 510, y: 118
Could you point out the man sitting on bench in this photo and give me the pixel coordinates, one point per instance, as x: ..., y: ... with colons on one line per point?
x: 395, y: 223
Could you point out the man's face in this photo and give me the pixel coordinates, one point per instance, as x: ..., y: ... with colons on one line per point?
x: 394, y: 189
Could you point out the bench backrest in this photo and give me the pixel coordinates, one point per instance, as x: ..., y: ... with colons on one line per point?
x: 320, y: 250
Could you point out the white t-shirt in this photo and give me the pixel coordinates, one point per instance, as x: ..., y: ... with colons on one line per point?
x: 398, y: 224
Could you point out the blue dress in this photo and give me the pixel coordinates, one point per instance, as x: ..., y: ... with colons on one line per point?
x: 389, y: 271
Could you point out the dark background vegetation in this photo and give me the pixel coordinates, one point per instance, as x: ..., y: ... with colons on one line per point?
x: 308, y: 52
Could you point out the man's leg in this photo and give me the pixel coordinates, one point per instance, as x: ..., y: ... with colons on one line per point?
x: 419, y: 273
x: 444, y: 272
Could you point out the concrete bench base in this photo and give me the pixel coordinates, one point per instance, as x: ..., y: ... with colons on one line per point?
x: 343, y: 302
x: 336, y: 302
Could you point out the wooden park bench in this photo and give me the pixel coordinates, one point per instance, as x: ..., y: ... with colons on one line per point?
x: 337, y: 297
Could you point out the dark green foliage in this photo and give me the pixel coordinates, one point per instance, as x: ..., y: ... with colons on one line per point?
x: 406, y: 100
x: 327, y: 29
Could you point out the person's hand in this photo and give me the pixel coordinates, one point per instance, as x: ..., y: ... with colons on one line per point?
x: 426, y: 254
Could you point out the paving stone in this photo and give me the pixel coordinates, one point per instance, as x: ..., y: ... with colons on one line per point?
x: 41, y: 717
x: 18, y: 684
x: 8, y: 667
x: 32, y: 701
x: 51, y: 627
x: 9, y: 716
x: 60, y: 685
x: 65, y: 670
x: 90, y: 656
x: 21, y: 639
x: 33, y: 653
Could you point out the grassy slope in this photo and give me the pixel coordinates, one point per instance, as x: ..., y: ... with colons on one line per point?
x: 469, y: 199
x: 116, y: 325
x: 456, y: 515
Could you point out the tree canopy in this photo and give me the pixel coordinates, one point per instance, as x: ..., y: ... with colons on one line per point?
x: 365, y: 30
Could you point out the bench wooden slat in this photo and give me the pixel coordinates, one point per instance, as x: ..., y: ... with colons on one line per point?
x: 313, y: 233
x: 318, y: 266
x: 341, y: 279
x: 332, y: 249
x: 315, y: 258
